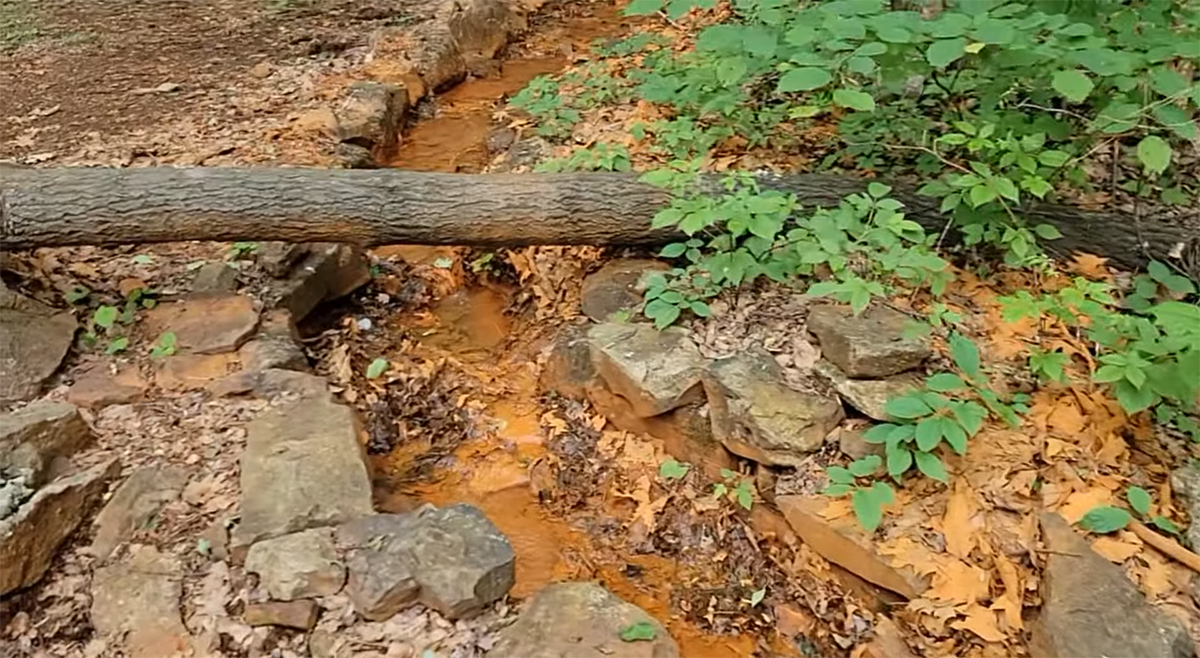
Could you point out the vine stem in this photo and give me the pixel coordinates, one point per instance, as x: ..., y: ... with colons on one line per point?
x: 1166, y: 546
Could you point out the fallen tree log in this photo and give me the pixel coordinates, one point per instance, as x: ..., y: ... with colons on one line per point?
x: 100, y: 206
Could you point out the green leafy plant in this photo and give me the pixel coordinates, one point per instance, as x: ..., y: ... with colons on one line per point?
x: 736, y: 488
x: 1159, y: 283
x: 1107, y: 518
x: 377, y: 367
x: 642, y: 631
x: 1049, y: 365
x: 242, y: 250
x: 164, y: 346
x: 867, y: 496
x: 670, y: 469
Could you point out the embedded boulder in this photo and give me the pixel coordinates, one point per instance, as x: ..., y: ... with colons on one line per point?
x: 30, y: 538
x: 757, y: 416
x: 139, y: 498
x: 297, y: 566
x: 34, y: 436
x: 452, y: 559
x: 326, y: 272
x: 616, y: 287
x: 34, y: 339
x: 303, y: 467
x: 874, y: 344
x: 1089, y: 607
x: 581, y: 620
x: 656, y: 371
x: 372, y: 115
x: 868, y: 395
x: 135, y: 605
x: 214, y: 324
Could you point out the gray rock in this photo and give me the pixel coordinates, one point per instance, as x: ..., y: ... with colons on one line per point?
x: 580, y: 620
x: 353, y: 156
x: 327, y: 272
x: 135, y: 605
x: 297, y: 566
x: 372, y: 115
x: 29, y: 538
x: 16, y: 486
x: 300, y: 614
x: 303, y: 467
x: 1185, y: 482
x: 755, y: 415
x: 215, y: 279
x: 855, y: 446
x: 453, y: 560
x: 138, y: 499
x: 381, y: 581
x: 34, y: 436
x: 617, y: 287
x: 267, y: 351
x: 875, y: 344
x: 34, y: 338
x: 277, y: 258
x: 868, y: 395
x: 569, y: 370
x: 656, y: 371
x: 272, y: 383
x: 1090, y: 609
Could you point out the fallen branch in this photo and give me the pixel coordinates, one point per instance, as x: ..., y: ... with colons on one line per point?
x: 1166, y: 546
x: 73, y: 206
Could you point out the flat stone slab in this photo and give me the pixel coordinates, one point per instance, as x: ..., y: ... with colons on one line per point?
x: 868, y: 395
x: 877, y: 343
x: 34, y: 338
x: 34, y: 436
x: 30, y: 538
x: 138, y: 498
x: 756, y: 415
x: 1090, y: 609
x: 135, y: 604
x: 211, y: 324
x: 303, y: 467
x: 580, y: 620
x: 656, y: 371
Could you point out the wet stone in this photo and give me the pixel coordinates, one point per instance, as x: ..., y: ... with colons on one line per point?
x: 756, y: 415
x: 299, y: 565
x: 875, y: 344
x: 656, y: 371
x: 580, y: 620
x: 1089, y: 607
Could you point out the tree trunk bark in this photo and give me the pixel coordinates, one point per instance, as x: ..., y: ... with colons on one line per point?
x: 97, y: 206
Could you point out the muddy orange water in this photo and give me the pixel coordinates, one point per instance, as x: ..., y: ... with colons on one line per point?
x: 492, y: 473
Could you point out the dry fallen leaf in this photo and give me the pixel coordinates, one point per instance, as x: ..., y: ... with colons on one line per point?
x: 982, y: 622
x: 957, y: 522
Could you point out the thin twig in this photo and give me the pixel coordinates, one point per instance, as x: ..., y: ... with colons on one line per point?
x: 1166, y: 546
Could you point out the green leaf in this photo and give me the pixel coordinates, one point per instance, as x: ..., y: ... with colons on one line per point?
x: 970, y: 416
x: 855, y: 100
x: 931, y: 465
x: 378, y: 367
x: 757, y: 596
x: 835, y: 490
x: 672, y: 470
x: 995, y: 31
x: 1164, y: 524
x: 642, y: 631
x: 1106, y: 519
x: 662, y: 313
x: 1047, y: 231
x: 868, y: 508
x: 700, y: 309
x: 105, y: 316
x: 142, y: 259
x: 929, y: 433
x: 965, y: 355
x: 865, y: 466
x: 945, y: 382
x: 1139, y: 499
x: 804, y: 79
x: 164, y: 346
x: 893, y: 34
x: 744, y: 494
x: 899, y: 460
x: 673, y: 250
x: 954, y: 435
x: 906, y: 407
x: 944, y: 52
x: 1155, y: 154
x: 1073, y: 85
x: 643, y: 7
x: 118, y: 345
x: 1178, y: 120
x: 840, y: 475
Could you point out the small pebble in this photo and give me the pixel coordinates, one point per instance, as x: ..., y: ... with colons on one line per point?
x: 365, y: 324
